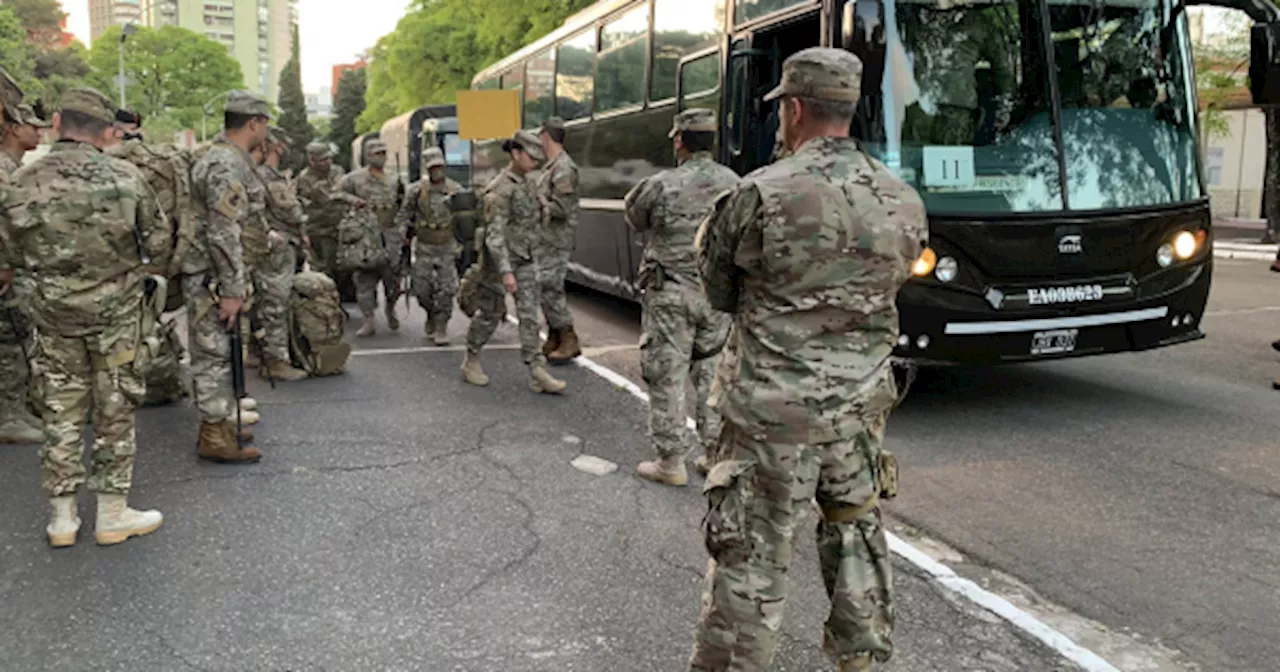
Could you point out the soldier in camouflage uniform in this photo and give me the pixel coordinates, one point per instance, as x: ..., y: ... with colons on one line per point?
x: 215, y: 281
x: 426, y: 214
x: 315, y: 189
x: 808, y: 254
x: 371, y: 187
x: 17, y: 424
x: 677, y: 321
x: 73, y: 225
x: 509, y: 261
x: 558, y: 195
x: 273, y: 270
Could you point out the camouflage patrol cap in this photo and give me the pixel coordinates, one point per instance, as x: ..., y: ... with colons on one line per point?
x: 374, y: 146
x: 820, y: 73
x: 277, y: 136
x: 527, y: 142
x: 27, y: 115
x: 318, y: 150
x: 693, y: 119
x: 10, y: 92
x: 248, y: 103
x: 554, y: 123
x: 432, y: 157
x: 91, y: 103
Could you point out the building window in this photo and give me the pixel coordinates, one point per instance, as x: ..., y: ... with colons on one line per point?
x: 620, y: 74
x: 575, y: 76
x: 680, y: 28
x: 1213, y: 166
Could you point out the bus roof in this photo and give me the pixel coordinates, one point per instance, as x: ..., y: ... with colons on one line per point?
x: 570, y: 26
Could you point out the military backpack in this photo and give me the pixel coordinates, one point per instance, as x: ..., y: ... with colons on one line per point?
x: 164, y: 374
x: 316, y: 324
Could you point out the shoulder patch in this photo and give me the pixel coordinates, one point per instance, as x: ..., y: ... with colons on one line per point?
x: 230, y: 200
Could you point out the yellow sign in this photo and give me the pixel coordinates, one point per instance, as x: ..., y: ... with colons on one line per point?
x: 489, y: 114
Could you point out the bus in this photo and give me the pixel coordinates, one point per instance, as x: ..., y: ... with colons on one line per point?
x: 357, y: 150
x: 1054, y: 143
x: 403, y: 138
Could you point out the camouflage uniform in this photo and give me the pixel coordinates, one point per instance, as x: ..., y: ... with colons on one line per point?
x: 558, y: 184
x: 74, y: 232
x: 434, y: 278
x: 379, y: 194
x: 511, y: 217
x: 323, y: 213
x: 274, y: 271
x: 669, y: 207
x: 808, y: 254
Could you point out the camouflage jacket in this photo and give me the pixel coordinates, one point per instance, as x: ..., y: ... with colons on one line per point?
x: 669, y: 207
x: 284, y: 211
x: 8, y: 165
x: 73, y: 219
x: 429, y: 217
x: 511, y: 218
x: 809, y: 254
x: 378, y: 193
x: 315, y: 191
x: 222, y: 183
x: 558, y: 183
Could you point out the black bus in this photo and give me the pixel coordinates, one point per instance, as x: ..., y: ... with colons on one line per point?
x: 1054, y: 143
x: 403, y: 138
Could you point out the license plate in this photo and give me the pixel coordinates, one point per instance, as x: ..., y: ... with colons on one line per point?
x: 1054, y: 342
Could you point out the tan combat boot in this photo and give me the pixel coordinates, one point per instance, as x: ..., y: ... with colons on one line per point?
x: 117, y: 522
x: 568, y: 349
x: 553, y: 341
x: 248, y: 404
x: 702, y: 465
x: 667, y: 471
x: 542, y: 382
x: 367, y: 328
x: 19, y: 431
x: 393, y: 322
x: 218, y: 444
x: 281, y: 370
x: 471, y: 371
x: 65, y: 522
x: 860, y: 663
x: 250, y: 358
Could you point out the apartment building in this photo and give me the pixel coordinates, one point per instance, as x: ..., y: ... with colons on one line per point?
x: 106, y: 13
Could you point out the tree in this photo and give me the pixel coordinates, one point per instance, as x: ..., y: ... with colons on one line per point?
x: 293, y: 110
x: 41, y: 18
x: 346, y: 109
x: 38, y: 60
x: 18, y: 59
x: 171, y: 72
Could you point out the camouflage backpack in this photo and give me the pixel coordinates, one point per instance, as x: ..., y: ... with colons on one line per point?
x: 167, y: 170
x: 316, y: 324
x: 165, y: 378
x: 360, y: 241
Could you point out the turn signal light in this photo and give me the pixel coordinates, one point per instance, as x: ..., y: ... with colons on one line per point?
x: 925, y: 263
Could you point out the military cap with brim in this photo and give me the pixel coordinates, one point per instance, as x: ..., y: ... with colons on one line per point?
x: 10, y: 92
x: 554, y: 123
x: 277, y: 136
x: 317, y: 149
x: 248, y: 103
x: 527, y: 142
x: 28, y: 116
x: 433, y: 158
x: 820, y: 73
x: 694, y: 119
x: 91, y: 103
x: 374, y: 146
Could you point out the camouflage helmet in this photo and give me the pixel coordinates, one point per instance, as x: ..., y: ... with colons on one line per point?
x: 432, y: 157
x: 247, y: 103
x: 820, y: 73
x: 27, y: 115
x: 693, y: 119
x: 374, y: 146
x: 277, y: 136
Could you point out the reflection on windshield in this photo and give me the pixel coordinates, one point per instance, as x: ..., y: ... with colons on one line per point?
x: 964, y: 109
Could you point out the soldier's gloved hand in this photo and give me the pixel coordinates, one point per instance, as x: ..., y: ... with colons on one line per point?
x: 509, y: 282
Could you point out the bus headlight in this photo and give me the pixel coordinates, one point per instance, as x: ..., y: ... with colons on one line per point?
x: 1186, y: 244
x: 1164, y: 255
x: 947, y: 269
x: 925, y: 263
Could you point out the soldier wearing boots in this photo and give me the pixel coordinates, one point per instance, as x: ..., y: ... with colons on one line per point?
x: 510, y: 264
x: 273, y: 270
x: 558, y: 196
x: 315, y: 191
x: 371, y: 187
x: 808, y: 254
x: 74, y: 219
x: 677, y: 321
x: 20, y: 134
x: 215, y: 279
x: 426, y: 214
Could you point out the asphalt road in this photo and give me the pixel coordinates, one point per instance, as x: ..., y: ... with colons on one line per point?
x: 1141, y: 491
x: 405, y: 521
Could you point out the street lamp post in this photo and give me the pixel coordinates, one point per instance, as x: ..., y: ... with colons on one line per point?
x: 127, y: 30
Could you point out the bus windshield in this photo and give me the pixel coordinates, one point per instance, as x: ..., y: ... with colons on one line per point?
x: 965, y: 112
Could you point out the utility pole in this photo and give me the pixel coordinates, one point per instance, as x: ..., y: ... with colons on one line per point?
x: 125, y: 31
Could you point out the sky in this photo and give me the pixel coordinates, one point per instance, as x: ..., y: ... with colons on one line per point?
x: 332, y: 31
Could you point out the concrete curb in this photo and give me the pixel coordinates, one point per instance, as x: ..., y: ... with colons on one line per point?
x: 1244, y: 251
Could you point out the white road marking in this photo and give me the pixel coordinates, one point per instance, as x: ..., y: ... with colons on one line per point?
x: 427, y: 348
x: 945, y: 576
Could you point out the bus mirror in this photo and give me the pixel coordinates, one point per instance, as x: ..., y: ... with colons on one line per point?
x: 1264, y: 64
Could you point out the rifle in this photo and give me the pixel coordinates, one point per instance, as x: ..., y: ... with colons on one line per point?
x: 406, y: 248
x: 237, y: 373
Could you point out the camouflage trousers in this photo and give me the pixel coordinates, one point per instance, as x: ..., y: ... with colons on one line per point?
x: 273, y: 285
x: 553, y: 266
x: 757, y: 494
x: 324, y: 254
x: 79, y: 375
x: 676, y: 318
x: 434, y: 282
x: 210, y: 350
x: 367, y: 288
x: 493, y: 309
x: 15, y: 378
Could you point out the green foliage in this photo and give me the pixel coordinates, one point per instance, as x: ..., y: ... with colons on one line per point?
x: 42, y: 18
x: 18, y: 59
x: 439, y: 45
x: 293, y: 111
x: 29, y: 41
x: 347, y: 107
x: 172, y: 73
